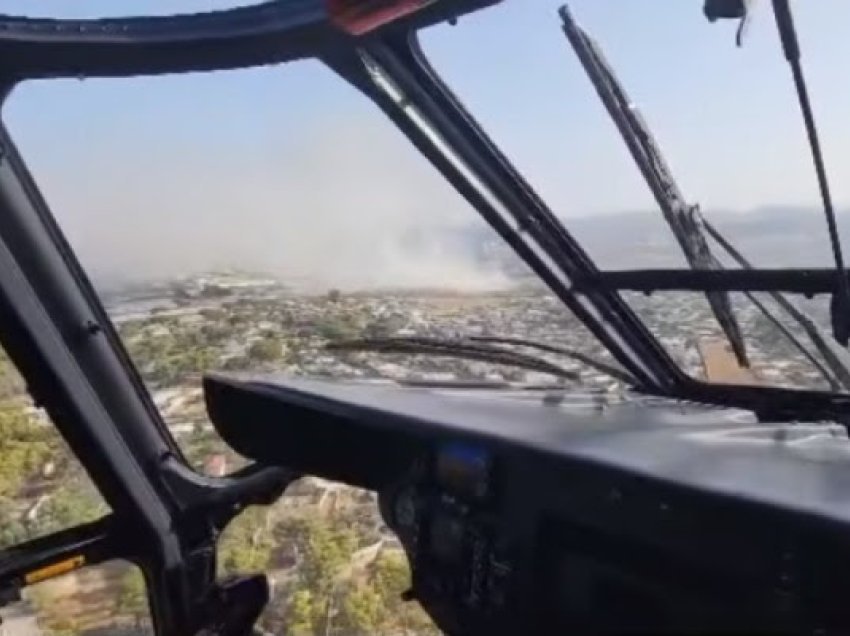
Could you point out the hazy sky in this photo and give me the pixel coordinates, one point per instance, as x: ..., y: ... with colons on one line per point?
x: 199, y: 167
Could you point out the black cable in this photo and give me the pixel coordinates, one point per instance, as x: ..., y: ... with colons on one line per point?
x: 791, y: 48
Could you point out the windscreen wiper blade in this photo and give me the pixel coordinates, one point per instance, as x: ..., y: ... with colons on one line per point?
x: 645, y: 151
x: 806, y: 282
x: 683, y: 218
x: 480, y: 348
x: 585, y: 359
x: 454, y: 348
x: 836, y: 357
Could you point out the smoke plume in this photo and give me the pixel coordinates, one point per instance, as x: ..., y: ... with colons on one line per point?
x: 348, y: 204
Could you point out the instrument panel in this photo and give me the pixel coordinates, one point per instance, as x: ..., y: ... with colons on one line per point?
x: 523, y: 517
x: 446, y: 511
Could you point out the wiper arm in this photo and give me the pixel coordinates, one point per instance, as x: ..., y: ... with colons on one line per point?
x: 808, y: 282
x: 683, y: 219
x: 645, y: 151
x: 585, y: 359
x: 838, y: 359
x: 453, y: 348
x: 469, y: 347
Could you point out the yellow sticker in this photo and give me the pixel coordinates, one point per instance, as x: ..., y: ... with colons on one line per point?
x: 55, y: 569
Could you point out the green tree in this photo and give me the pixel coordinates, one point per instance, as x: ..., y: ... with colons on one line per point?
x: 72, y: 504
x: 266, y: 350
x: 246, y: 545
x: 25, y: 447
x: 389, y: 576
x: 363, y: 612
x: 327, y: 549
x: 203, y: 359
x: 334, y: 295
x: 11, y: 383
x: 132, y: 596
x: 324, y: 547
x: 301, y: 613
x: 383, y: 327
x: 235, y: 319
x: 336, y: 329
x: 214, y: 316
x: 236, y: 363
x: 63, y: 627
x: 211, y: 290
x: 12, y: 530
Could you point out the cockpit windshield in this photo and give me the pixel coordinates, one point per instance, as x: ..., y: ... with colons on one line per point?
x: 304, y: 227
x: 751, y: 207
x: 305, y: 230
x: 532, y: 200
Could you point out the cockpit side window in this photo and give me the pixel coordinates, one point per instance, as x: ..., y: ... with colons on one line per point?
x: 306, y: 221
x: 43, y: 486
x: 44, y: 489
x: 107, y: 599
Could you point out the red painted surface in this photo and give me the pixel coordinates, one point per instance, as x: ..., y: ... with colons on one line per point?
x: 361, y: 16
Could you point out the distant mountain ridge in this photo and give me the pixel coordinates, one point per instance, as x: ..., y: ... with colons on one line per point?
x: 775, y: 236
x: 770, y: 236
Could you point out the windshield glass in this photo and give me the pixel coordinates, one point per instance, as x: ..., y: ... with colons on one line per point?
x: 744, y: 161
x: 273, y: 220
x: 231, y: 233
x: 305, y: 219
x: 43, y: 486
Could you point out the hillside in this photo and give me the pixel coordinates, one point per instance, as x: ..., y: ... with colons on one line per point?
x: 769, y: 236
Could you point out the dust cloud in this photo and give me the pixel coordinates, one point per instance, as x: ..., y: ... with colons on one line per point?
x: 350, y: 205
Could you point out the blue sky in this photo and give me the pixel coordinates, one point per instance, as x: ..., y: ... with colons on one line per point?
x: 726, y: 118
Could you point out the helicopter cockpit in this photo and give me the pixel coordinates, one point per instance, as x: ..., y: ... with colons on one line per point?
x: 666, y: 504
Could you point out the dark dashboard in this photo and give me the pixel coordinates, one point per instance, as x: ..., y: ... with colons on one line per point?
x: 526, y: 515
